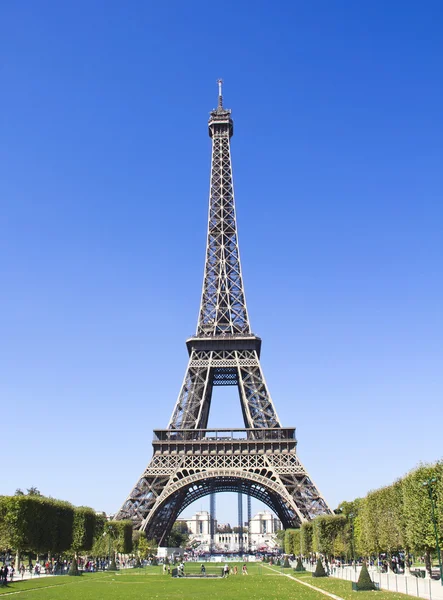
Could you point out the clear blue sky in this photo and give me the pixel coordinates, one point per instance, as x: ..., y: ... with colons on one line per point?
x: 104, y: 176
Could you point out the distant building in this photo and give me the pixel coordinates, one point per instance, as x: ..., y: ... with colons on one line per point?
x: 261, y: 533
x: 263, y: 528
x: 200, y: 524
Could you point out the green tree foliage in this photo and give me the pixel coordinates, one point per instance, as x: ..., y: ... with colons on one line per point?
x: 391, y: 524
x: 419, y: 529
x: 328, y: 531
x: 369, y: 537
x: 136, y: 536
x: 121, y: 535
x: 381, y: 520
x: 351, y: 541
x: 292, y: 541
x: 280, y: 539
x: 179, y: 537
x: 143, y: 547
x: 364, y: 582
x: 307, y: 533
x: 390, y: 519
x: 319, y: 569
x: 83, y: 529
x: 34, y: 523
x: 100, y: 546
x: 62, y: 525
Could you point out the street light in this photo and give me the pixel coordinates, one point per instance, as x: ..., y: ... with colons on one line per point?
x: 429, y: 483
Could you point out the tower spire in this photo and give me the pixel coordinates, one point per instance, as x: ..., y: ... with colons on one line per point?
x: 220, y: 95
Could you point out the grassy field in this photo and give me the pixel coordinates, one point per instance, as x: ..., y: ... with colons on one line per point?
x: 344, y: 589
x: 262, y: 583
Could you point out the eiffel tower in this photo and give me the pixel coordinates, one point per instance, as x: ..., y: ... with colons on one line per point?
x: 189, y: 460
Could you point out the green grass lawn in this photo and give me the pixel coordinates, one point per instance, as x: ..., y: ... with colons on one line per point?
x: 343, y: 588
x: 262, y: 583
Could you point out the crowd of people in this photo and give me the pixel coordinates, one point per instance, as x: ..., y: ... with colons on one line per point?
x: 7, y: 571
x: 54, y: 567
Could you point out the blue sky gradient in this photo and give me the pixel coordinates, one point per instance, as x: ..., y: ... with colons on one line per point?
x: 104, y: 177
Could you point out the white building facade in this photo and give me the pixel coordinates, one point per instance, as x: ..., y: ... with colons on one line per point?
x: 259, y: 536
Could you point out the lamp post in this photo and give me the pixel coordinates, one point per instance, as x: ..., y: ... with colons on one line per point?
x: 429, y: 484
x: 351, y: 518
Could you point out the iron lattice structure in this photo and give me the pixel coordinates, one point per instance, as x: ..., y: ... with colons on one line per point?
x: 189, y: 460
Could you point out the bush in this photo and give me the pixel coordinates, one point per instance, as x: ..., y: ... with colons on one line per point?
x: 319, y: 569
x: 286, y: 564
x: 364, y: 582
x: 299, y: 566
x: 138, y: 564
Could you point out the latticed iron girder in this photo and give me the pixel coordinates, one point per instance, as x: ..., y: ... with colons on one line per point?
x: 223, y: 305
x: 232, y: 367
x: 172, y: 482
x: 223, y: 352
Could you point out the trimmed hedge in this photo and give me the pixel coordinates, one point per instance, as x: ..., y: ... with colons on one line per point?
x: 35, y: 524
x: 319, y: 569
x: 83, y: 529
x: 365, y: 582
x: 299, y: 566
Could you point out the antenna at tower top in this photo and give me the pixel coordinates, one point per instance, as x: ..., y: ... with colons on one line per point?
x: 220, y: 95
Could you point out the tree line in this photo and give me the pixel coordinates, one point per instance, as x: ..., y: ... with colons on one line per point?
x: 35, y: 524
x: 392, y: 519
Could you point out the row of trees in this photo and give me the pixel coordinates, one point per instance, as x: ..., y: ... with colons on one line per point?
x: 39, y: 525
x: 388, y: 520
